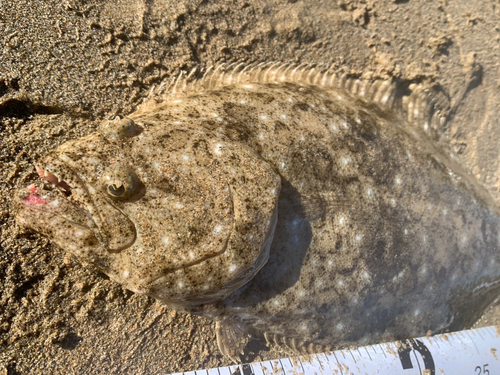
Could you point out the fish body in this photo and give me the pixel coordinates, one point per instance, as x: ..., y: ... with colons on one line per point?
x: 285, y: 207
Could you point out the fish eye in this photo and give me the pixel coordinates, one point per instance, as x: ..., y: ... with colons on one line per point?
x: 112, y: 118
x: 116, y: 190
x: 119, y: 127
x: 120, y: 182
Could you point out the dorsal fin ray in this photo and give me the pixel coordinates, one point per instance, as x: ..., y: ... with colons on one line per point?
x: 420, y: 104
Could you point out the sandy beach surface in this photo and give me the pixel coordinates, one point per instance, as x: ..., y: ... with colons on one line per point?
x: 65, y: 65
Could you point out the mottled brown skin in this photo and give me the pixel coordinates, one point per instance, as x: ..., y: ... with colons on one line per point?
x: 379, y: 233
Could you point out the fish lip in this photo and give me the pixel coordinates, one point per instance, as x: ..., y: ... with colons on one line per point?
x: 34, y: 198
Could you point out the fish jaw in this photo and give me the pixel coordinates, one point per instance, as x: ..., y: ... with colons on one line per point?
x: 68, y: 225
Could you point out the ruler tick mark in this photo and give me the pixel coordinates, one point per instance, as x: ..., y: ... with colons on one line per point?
x: 352, y: 355
x: 479, y: 333
x: 381, y: 347
x: 338, y: 363
x: 282, y: 367
x: 477, y: 350
x: 369, y: 356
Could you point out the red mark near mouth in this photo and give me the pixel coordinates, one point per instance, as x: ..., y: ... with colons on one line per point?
x: 34, y: 197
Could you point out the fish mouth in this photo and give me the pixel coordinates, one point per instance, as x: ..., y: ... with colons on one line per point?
x: 62, y: 185
x: 66, y: 190
x: 67, y: 199
x: 53, y: 205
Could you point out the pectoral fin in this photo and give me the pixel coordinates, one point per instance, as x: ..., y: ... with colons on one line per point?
x: 322, y: 204
x: 231, y: 338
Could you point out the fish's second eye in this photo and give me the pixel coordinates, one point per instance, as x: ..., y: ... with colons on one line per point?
x: 118, y: 127
x: 120, y: 182
x: 112, y: 118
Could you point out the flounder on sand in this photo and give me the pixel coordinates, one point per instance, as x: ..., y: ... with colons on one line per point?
x: 282, y: 201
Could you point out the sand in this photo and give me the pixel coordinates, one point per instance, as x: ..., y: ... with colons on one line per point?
x: 65, y: 65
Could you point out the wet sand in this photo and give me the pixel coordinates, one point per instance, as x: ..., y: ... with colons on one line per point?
x: 65, y: 65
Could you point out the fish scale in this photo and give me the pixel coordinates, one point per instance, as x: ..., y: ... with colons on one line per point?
x: 282, y: 201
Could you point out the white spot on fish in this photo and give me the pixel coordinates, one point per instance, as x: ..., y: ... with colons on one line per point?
x: 166, y: 240
x: 233, y: 268
x: 283, y: 116
x: 126, y: 274
x: 217, y: 229
x: 180, y: 284
x: 263, y: 117
x: 358, y: 238
x: 339, y: 326
x: 93, y: 161
x: 185, y: 157
x: 345, y: 161
x: 218, y: 148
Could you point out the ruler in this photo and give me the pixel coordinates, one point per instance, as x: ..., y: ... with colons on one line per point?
x: 473, y: 352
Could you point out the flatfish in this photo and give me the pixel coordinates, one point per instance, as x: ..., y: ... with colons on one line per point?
x: 280, y: 200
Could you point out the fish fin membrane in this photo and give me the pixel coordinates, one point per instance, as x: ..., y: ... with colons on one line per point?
x: 294, y: 346
x: 231, y: 338
x: 322, y: 204
x: 425, y: 105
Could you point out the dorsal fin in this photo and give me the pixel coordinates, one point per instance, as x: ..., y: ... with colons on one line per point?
x: 421, y: 104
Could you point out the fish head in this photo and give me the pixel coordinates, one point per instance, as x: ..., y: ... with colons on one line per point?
x: 175, y: 212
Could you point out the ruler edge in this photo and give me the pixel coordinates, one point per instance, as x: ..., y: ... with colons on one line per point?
x: 492, y: 330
